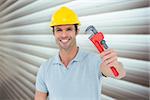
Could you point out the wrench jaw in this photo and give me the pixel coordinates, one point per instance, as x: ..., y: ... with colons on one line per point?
x: 91, y: 28
x: 91, y: 36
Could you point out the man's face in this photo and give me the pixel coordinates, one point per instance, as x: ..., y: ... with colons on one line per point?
x: 65, y: 36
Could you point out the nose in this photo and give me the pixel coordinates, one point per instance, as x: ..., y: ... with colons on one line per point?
x: 64, y: 33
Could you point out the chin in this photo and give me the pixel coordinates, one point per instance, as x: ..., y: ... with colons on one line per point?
x: 64, y: 47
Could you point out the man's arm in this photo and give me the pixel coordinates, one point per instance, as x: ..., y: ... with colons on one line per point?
x: 109, y: 59
x: 40, y: 95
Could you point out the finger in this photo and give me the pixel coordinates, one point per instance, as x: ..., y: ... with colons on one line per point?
x: 106, y: 57
x: 110, y: 60
x: 106, y: 52
x: 113, y: 63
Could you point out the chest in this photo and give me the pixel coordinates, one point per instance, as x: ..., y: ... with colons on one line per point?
x: 78, y: 77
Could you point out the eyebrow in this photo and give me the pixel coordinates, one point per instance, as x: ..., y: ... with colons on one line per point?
x: 69, y: 28
x: 66, y: 28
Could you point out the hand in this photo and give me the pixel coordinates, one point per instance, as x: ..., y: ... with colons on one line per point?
x: 109, y: 59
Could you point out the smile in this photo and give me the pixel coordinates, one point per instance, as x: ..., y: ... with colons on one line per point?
x: 64, y: 40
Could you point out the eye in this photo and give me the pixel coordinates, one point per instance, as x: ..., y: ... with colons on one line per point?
x: 58, y: 30
x: 69, y: 29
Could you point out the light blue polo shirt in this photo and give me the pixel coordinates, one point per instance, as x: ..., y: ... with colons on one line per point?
x: 80, y: 81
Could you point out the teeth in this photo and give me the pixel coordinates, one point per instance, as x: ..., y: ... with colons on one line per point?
x: 64, y: 41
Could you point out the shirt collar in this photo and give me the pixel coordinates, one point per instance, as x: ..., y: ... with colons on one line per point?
x: 77, y: 58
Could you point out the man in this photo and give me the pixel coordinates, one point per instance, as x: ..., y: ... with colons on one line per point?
x: 73, y: 74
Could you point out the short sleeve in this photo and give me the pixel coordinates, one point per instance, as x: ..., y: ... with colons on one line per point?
x: 40, y: 79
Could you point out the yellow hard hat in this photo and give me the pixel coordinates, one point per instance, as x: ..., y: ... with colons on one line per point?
x: 64, y: 16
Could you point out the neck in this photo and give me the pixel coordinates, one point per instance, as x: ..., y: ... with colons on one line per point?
x: 67, y: 56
